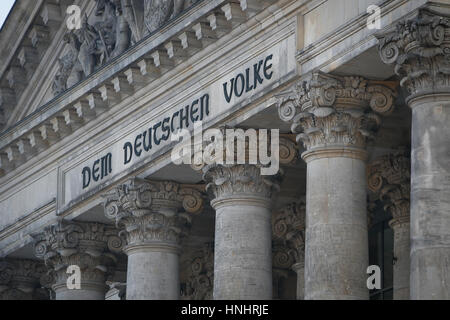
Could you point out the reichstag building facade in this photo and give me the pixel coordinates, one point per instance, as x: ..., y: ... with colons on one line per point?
x: 95, y: 93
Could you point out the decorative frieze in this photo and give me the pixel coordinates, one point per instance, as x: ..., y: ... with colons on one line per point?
x: 419, y: 48
x: 90, y: 246
x: 328, y: 110
x: 200, y: 276
x: 152, y: 211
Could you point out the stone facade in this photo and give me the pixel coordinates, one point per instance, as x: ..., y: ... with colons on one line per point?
x: 97, y: 98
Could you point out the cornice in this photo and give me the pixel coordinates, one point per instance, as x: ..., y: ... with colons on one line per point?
x: 99, y: 92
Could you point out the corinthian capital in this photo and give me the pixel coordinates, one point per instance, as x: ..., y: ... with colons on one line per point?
x: 339, y: 111
x: 153, y: 211
x: 389, y: 178
x: 90, y: 246
x: 419, y: 48
x: 226, y: 182
x: 288, y: 227
x: 199, y: 281
x: 22, y: 279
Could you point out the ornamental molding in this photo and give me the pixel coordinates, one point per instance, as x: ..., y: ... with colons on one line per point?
x: 91, y: 246
x: 389, y: 177
x: 288, y: 229
x: 199, y: 281
x: 152, y: 212
x: 419, y: 49
x: 330, y: 111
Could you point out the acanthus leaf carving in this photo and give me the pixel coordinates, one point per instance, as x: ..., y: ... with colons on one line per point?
x: 419, y: 49
x: 20, y: 280
x: 91, y: 246
x: 327, y: 110
x: 288, y: 227
x: 151, y: 211
x: 389, y: 178
x: 199, y: 281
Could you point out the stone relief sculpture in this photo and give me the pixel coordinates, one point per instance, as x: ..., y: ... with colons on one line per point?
x: 118, y: 25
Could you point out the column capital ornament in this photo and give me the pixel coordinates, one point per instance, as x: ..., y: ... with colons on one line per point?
x: 22, y: 279
x: 389, y: 177
x: 153, y: 211
x: 329, y: 111
x: 288, y: 227
x: 235, y: 182
x: 90, y: 246
x: 419, y: 48
x: 200, y: 276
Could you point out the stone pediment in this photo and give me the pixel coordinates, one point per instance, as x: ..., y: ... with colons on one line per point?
x: 119, y: 47
x: 54, y: 51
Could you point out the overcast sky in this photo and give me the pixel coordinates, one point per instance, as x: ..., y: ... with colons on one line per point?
x: 5, y: 6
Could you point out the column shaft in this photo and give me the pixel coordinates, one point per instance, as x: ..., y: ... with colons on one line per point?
x: 402, y: 262
x: 336, y: 255
x: 430, y: 198
x: 243, y: 250
x: 153, y: 275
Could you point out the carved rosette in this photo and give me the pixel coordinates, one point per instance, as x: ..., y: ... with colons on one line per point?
x: 90, y: 246
x: 22, y: 280
x: 153, y: 212
x: 419, y: 48
x: 200, y: 279
x: 332, y: 111
x: 389, y: 177
x: 288, y: 227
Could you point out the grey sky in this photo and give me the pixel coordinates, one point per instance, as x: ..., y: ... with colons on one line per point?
x: 5, y: 6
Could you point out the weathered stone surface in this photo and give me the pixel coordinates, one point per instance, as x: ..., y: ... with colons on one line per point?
x: 288, y: 227
x: 22, y: 279
x: 389, y: 177
x: 419, y: 48
x: 153, y: 223
x: 243, y: 249
x: 200, y: 279
x: 334, y: 117
x: 89, y: 246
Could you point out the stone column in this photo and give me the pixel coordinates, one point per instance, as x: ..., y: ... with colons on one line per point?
x: 289, y: 227
x: 242, y: 198
x: 333, y: 117
x: 389, y: 178
x: 419, y: 48
x: 89, y: 246
x: 22, y: 279
x: 151, y: 216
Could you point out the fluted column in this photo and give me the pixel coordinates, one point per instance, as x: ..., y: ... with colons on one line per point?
x: 153, y: 221
x: 389, y: 178
x: 419, y: 48
x: 242, y: 199
x: 89, y: 246
x: 333, y: 117
x: 23, y: 279
x: 289, y: 227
